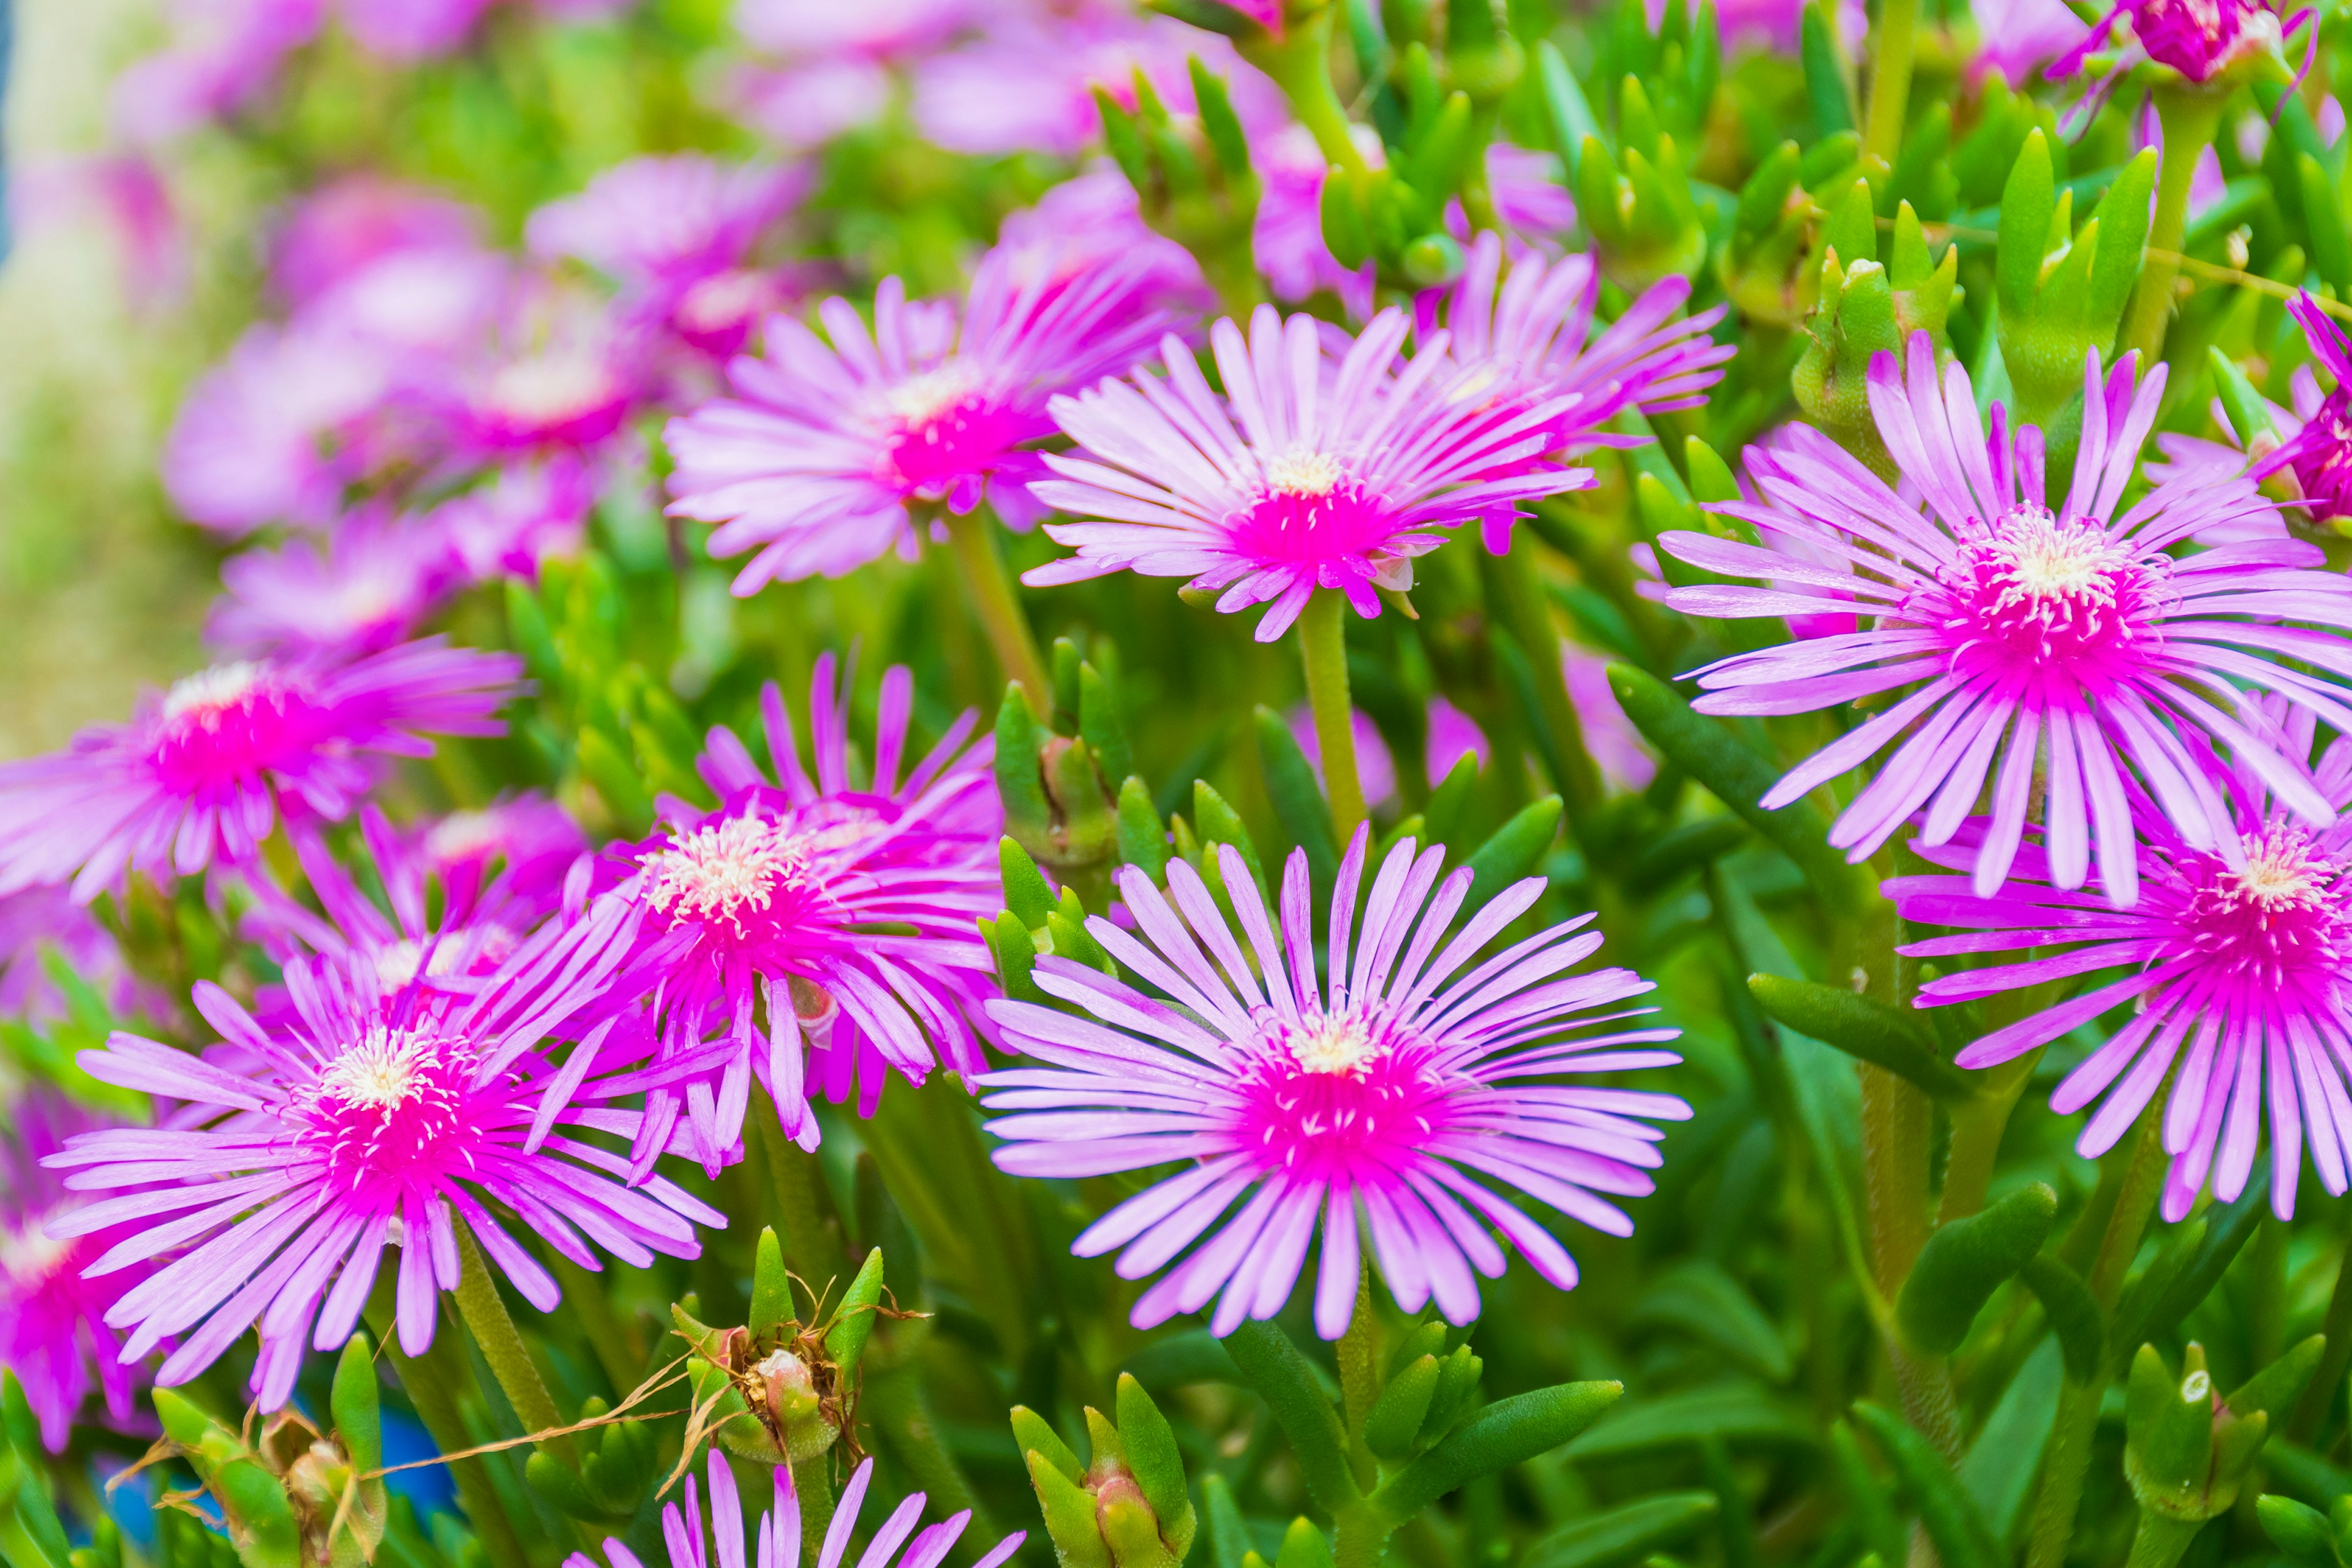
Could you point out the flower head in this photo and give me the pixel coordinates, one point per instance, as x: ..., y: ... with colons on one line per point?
x: 777, y: 1539
x: 375, y: 1114
x: 52, y: 1330
x: 197, y: 774
x: 528, y: 512
x: 1336, y: 476
x: 343, y: 227
x: 1390, y: 1098
x: 2065, y: 626
x: 2236, y: 960
x: 848, y: 905
x: 819, y: 457
x: 378, y: 576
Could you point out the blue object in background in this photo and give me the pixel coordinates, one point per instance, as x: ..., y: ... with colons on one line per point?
x: 405, y: 1441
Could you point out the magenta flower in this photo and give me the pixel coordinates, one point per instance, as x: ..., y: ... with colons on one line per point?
x: 377, y: 577
x: 41, y: 922
x: 530, y: 512
x: 2315, y: 447
x: 2239, y: 952
x: 776, y: 1543
x: 1391, y: 1098
x: 2069, y: 630
x: 817, y: 459
x: 847, y: 906
x: 1336, y: 476
x: 52, y: 1330
x: 196, y: 776
x: 343, y: 228
x: 373, y: 1116
x: 2198, y: 38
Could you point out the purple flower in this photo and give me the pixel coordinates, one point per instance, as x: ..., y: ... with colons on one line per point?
x: 222, y: 54
x: 378, y: 576
x: 346, y: 225
x: 531, y: 512
x: 1335, y: 477
x: 2316, y: 447
x: 848, y: 907
x: 2019, y: 37
x: 52, y: 1330
x: 2106, y: 661
x: 1286, y: 236
x: 1381, y: 1100
x: 2240, y: 951
x: 370, y: 1117
x: 777, y: 1540
x: 196, y: 775
x: 35, y: 922
x: 819, y: 456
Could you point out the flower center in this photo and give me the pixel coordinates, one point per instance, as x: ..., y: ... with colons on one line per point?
x: 2192, y: 37
x: 228, y: 723
x: 1337, y: 1093
x: 1311, y: 511
x: 1303, y: 473
x: 2034, y: 588
x: 554, y: 395
x: 394, y: 1102
x: 718, y: 874
x: 29, y: 1259
x: 2283, y: 914
x: 945, y: 425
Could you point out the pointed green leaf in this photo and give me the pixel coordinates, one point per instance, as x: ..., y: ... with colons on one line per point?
x: 1863, y: 1028
x: 1624, y: 1535
x: 1951, y: 1516
x: 1272, y: 1365
x: 1507, y: 1433
x: 1396, y: 1416
x: 1298, y: 799
x: 1966, y: 1261
x: 1026, y: 893
x: 1142, y: 837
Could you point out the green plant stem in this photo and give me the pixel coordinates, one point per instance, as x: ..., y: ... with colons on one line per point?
x: 2069, y: 1454
x: 1323, y: 640
x: 431, y: 1382
x: 2312, y: 1414
x: 793, y: 1176
x: 813, y: 1480
x: 1890, y: 77
x: 1515, y: 596
x: 2160, y: 1541
x: 988, y: 587
x: 1977, y: 1129
x: 2190, y: 114
x: 1360, y: 1380
x: 1298, y: 62
x: 486, y: 1317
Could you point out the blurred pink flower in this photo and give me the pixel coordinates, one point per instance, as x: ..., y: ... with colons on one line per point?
x: 1452, y: 733
x: 36, y: 922
x: 2019, y: 37
x: 530, y: 513
x: 1610, y: 738
x: 222, y: 54
x: 808, y: 104
x: 338, y: 230
x: 1375, y: 763
x: 867, y: 29
x: 375, y: 579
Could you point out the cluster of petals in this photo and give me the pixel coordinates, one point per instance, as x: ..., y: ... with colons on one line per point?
x: 2061, y: 651
x: 367, y: 1116
x: 1391, y: 1100
x: 2309, y: 444
x: 2236, y: 963
x: 200, y: 772
x: 776, y: 1543
x: 845, y: 907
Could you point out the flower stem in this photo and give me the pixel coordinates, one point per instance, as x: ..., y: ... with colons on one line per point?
x: 1890, y: 77
x: 2160, y: 1541
x: 792, y: 1176
x: 1322, y: 637
x: 502, y: 1347
x: 432, y: 1380
x: 1298, y: 61
x: 1359, y: 1382
x: 812, y: 1482
x: 2190, y: 114
x: 1517, y: 599
x: 989, y: 587
x: 2069, y: 1455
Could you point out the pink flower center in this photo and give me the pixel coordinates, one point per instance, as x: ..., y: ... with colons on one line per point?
x: 2058, y: 595
x: 230, y: 723
x: 2322, y: 461
x: 1311, y: 511
x: 943, y: 426
x: 2282, y: 915
x: 394, y: 1102
x: 1339, y: 1095
x: 2195, y: 37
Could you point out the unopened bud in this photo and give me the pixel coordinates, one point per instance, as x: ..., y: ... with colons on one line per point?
x: 791, y: 1390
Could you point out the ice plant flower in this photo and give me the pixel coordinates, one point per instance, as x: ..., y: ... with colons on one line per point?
x: 776, y: 1543
x: 1336, y: 477
x: 52, y: 1330
x: 372, y: 1116
x: 826, y: 451
x: 2198, y: 38
x: 2308, y: 447
x: 1997, y: 611
x: 1413, y: 1083
x: 845, y: 905
x: 2236, y: 962
x: 378, y: 576
x: 196, y: 775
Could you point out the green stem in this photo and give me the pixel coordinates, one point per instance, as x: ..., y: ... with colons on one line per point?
x: 2069, y: 1454
x: 1323, y: 640
x: 431, y: 1382
x: 618, y: 1342
x: 989, y: 589
x: 1516, y: 598
x: 1359, y: 1381
x: 2160, y: 1541
x: 2190, y: 115
x: 1298, y: 62
x: 2312, y: 1414
x: 502, y: 1347
x: 792, y: 1174
x: 813, y: 1480
x: 1890, y: 77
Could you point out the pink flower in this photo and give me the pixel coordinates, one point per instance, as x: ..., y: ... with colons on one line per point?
x: 1335, y: 477
x: 1622, y: 756
x: 818, y: 458
x: 530, y: 512
x: 377, y: 577
x: 1380, y: 1101
x: 197, y: 774
x: 661, y: 224
x: 1375, y: 766
x: 1287, y: 239
x: 42, y: 924
x: 2236, y: 960
x: 2019, y: 37
x: 808, y: 105
x: 374, y: 1116
x: 222, y: 54
x: 347, y: 225
x: 877, y: 30
x: 848, y: 912
x: 2071, y: 630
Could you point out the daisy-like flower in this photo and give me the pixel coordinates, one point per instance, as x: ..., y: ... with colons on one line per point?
x: 845, y: 905
x: 2198, y: 38
x: 820, y: 456
x: 2237, y: 962
x: 1399, y: 1097
x: 776, y: 1543
x: 1336, y: 476
x: 2060, y: 634
x: 1530, y: 335
x: 196, y: 776
x: 350, y: 222
x: 52, y: 1330
x: 377, y: 577
x: 372, y: 1116
x: 2310, y: 444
